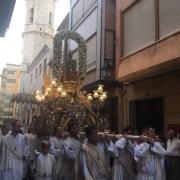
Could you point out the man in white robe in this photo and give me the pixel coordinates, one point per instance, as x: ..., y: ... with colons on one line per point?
x: 123, y: 164
x: 148, y: 154
x: 107, y: 149
x: 4, y: 130
x: 145, y: 161
x: 1, y: 136
x: 70, y: 153
x: 92, y: 161
x: 13, y: 146
x: 56, y: 144
x: 173, y: 156
x: 159, y: 154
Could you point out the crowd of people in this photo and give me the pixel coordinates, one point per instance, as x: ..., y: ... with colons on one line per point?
x: 91, y: 156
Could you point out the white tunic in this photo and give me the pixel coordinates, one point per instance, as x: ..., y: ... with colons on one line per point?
x: 70, y: 153
x: 0, y: 155
x: 146, y: 162
x: 173, y: 147
x: 122, y: 168
x: 107, y: 151
x: 56, y: 145
x: 151, y: 161
x: 12, y: 153
x: 44, y: 167
x: 93, y: 161
x: 86, y: 173
x: 159, y: 161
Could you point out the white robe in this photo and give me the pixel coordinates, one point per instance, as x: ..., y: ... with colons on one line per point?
x: 149, y: 159
x: 122, y: 168
x: 44, y: 167
x: 97, y: 155
x: 56, y: 145
x: 70, y: 153
x: 12, y: 157
x: 0, y: 154
x: 108, y: 151
x: 159, y: 161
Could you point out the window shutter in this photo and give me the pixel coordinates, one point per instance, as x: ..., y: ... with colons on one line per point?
x: 169, y: 14
x: 138, y: 26
x: 77, y: 12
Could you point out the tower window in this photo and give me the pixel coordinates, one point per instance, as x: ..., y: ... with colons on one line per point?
x: 31, y: 78
x: 36, y: 73
x: 50, y: 18
x: 40, y: 69
x: 31, y: 15
x: 45, y: 64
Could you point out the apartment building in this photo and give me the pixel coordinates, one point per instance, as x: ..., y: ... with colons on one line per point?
x: 148, y: 63
x: 9, y: 87
x: 94, y: 20
x: 1, y: 104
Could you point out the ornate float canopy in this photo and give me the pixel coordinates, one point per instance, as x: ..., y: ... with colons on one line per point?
x: 59, y: 67
x: 61, y: 99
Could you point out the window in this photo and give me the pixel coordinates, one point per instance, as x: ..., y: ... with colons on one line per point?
x: 7, y: 113
x: 109, y: 45
x: 31, y: 15
x: 88, y: 4
x: 36, y: 72
x: 40, y: 69
x: 8, y: 96
x: 11, y: 80
x: 6, y: 105
x: 169, y: 17
x: 138, y: 26
x: 91, y: 53
x: 77, y: 12
x: 31, y: 78
x: 11, y: 72
x: 45, y: 64
x: 50, y: 18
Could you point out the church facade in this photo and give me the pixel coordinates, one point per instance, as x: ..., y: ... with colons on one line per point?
x: 37, y: 43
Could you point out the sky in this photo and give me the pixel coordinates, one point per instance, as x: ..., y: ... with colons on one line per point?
x: 11, y: 44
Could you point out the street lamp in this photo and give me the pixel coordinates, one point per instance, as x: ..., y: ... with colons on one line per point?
x: 98, y: 94
x: 96, y: 99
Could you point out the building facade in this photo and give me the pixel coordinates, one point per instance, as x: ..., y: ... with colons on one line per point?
x: 38, y: 69
x: 38, y: 29
x: 38, y: 40
x: 1, y: 103
x: 94, y: 20
x: 148, y: 63
x: 9, y: 87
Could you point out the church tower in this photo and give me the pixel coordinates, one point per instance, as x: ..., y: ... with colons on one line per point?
x: 38, y: 29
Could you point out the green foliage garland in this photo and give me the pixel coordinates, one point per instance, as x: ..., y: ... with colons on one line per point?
x: 82, y: 49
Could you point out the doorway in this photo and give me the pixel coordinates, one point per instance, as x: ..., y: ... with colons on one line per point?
x: 110, y: 111
x: 149, y: 112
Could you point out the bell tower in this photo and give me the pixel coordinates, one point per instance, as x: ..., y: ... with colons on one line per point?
x: 38, y: 29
